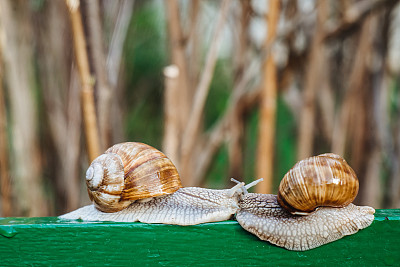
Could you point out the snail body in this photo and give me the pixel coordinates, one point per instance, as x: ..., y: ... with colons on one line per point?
x: 135, y: 182
x: 186, y: 206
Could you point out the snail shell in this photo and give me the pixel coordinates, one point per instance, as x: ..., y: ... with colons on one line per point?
x: 325, y: 180
x: 128, y: 172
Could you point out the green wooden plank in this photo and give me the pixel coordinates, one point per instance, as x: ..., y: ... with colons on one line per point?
x: 50, y: 241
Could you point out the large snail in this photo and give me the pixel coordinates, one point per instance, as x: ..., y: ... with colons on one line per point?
x: 135, y: 182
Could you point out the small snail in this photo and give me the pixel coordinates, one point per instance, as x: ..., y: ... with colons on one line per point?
x: 313, y: 206
x: 135, y: 182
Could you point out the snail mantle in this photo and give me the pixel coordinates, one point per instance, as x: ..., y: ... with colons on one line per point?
x: 51, y: 241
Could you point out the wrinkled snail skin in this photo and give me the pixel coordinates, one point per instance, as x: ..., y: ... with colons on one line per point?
x: 261, y: 215
x: 187, y: 206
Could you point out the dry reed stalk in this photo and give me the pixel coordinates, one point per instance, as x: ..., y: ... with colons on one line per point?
x: 114, y: 60
x: 171, y: 114
x: 243, y: 36
x: 194, y: 43
x: 266, y: 130
x: 236, y: 125
x: 16, y: 44
x: 393, y: 185
x: 117, y: 41
x: 178, y: 57
x: 88, y: 105
x: 64, y: 120
x: 375, y: 108
x: 194, y: 121
x: 98, y: 59
x: 326, y: 106
x: 5, y: 183
x: 348, y: 117
x: 355, y: 14
x: 240, y: 100
x: 313, y: 80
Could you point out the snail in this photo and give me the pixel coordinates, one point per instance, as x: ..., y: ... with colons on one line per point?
x: 135, y: 182
x: 313, y: 206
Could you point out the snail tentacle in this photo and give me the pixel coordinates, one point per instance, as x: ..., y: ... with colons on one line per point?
x: 243, y: 187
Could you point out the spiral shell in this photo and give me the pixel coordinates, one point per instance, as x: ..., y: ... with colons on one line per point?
x: 128, y: 172
x: 325, y: 180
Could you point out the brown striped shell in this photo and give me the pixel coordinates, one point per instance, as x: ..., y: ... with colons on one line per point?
x: 128, y: 172
x: 325, y: 180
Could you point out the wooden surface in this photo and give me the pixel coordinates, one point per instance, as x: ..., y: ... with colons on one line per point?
x: 50, y: 241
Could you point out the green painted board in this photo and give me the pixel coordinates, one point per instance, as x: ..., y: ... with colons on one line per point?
x: 49, y: 241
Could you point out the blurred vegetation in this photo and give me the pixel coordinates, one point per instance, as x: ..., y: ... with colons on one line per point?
x: 145, y: 55
x: 148, y: 48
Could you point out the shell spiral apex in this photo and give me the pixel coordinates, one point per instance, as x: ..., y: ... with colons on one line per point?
x: 325, y: 180
x: 128, y: 172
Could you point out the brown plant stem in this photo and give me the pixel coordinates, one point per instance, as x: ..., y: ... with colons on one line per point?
x: 313, y: 80
x: 171, y: 114
x: 63, y: 102
x: 193, y: 43
x: 178, y: 57
x: 5, y: 183
x: 73, y: 141
x: 348, y: 114
x: 88, y: 106
x: 236, y: 125
x: 266, y: 131
x: 98, y: 60
x: 355, y: 15
x: 117, y: 41
x: 194, y: 120
x: 16, y: 47
x: 114, y: 64
x: 375, y: 107
x: 240, y: 100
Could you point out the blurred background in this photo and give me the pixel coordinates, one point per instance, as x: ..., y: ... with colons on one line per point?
x: 227, y: 88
